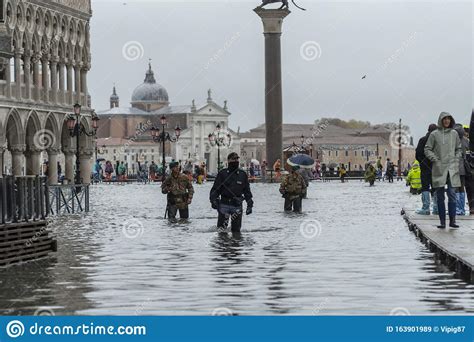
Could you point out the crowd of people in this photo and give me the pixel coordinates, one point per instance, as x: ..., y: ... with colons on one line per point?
x: 446, y: 168
x: 106, y: 171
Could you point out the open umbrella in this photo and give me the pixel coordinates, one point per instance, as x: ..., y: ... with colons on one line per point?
x: 302, y: 160
x: 255, y: 162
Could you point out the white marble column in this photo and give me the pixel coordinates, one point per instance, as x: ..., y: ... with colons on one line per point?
x: 17, y: 152
x: 85, y: 158
x: 61, y: 97
x: 36, y: 78
x: 77, y: 79
x: 45, y: 71
x: 53, y: 165
x: 18, y: 74
x: 69, y: 155
x: 33, y: 162
x: 27, y: 71
x: 8, y: 79
x: 54, y: 80
x: 2, y: 151
x: 84, y: 85
x: 69, y: 84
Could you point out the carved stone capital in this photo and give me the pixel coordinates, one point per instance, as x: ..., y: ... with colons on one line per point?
x: 69, y: 151
x: 54, y: 150
x: 36, y: 58
x: 33, y: 150
x: 17, y: 149
x: 86, y: 153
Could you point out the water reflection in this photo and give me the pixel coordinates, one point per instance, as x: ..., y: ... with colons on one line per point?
x: 362, y: 259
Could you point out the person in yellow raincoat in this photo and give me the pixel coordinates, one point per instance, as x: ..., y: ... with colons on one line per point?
x: 414, y: 178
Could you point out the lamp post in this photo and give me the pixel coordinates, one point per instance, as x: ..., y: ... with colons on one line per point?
x: 219, y: 139
x: 161, y: 136
x: 76, y: 130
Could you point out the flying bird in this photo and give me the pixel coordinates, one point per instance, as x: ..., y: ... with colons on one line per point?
x: 364, y: 77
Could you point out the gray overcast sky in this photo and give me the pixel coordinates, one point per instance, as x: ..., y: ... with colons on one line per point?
x: 417, y: 57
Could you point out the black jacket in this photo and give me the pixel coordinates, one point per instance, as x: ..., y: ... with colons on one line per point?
x: 231, y: 187
x: 471, y: 133
x: 425, y: 163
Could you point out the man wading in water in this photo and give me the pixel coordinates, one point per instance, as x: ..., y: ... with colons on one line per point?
x: 230, y: 189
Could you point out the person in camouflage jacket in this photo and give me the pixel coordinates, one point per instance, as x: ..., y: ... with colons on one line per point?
x: 293, y: 188
x: 180, y: 192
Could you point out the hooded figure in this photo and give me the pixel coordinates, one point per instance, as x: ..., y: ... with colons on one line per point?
x: 443, y: 149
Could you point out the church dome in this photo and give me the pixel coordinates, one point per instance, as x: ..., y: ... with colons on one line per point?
x: 149, y: 90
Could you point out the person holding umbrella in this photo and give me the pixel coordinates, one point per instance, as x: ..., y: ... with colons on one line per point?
x: 293, y: 187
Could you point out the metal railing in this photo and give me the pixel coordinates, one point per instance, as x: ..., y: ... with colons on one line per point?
x: 68, y: 199
x: 23, y: 199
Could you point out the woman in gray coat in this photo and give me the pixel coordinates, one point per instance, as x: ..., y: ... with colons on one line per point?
x: 443, y: 149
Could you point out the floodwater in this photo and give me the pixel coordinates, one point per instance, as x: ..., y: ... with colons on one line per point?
x: 349, y: 253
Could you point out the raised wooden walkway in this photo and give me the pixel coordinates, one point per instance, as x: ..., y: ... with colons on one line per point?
x: 452, y: 247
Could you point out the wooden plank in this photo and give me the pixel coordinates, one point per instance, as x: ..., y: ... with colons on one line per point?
x: 455, y: 246
x: 23, y: 258
x: 15, y: 251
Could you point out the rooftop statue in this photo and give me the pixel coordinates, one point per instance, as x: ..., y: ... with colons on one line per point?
x: 284, y: 4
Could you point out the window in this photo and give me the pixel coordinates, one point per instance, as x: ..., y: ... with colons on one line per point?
x: 125, y: 158
x: 152, y: 150
x: 347, y: 153
x: 153, y: 157
x: 337, y: 153
x: 386, y: 153
x: 355, y: 153
x: 115, y: 158
x: 115, y: 151
x: 133, y: 157
x: 329, y: 153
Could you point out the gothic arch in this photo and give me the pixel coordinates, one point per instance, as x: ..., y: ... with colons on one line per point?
x: 14, y: 128
x: 52, y: 126
x: 10, y: 14
x: 32, y: 127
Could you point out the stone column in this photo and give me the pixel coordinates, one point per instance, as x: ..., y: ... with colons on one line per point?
x: 61, y: 97
x: 272, y: 27
x: 53, y: 165
x: 69, y: 83
x: 18, y: 74
x: 2, y: 151
x: 54, y: 80
x: 36, y: 78
x: 45, y: 66
x: 69, y: 155
x: 84, y: 85
x: 86, y: 167
x: 17, y: 152
x: 27, y: 71
x: 77, y: 86
x: 33, y: 162
x: 8, y: 79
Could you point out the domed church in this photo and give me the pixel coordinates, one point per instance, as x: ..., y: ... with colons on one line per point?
x: 124, y: 132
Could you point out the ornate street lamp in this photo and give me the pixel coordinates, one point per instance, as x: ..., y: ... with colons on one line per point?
x: 163, y: 136
x: 220, y: 139
x: 76, y: 130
